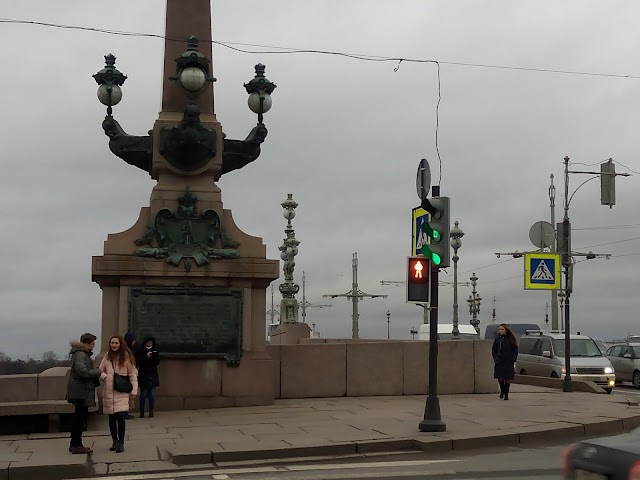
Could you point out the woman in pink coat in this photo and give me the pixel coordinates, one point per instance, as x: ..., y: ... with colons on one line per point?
x: 118, y: 360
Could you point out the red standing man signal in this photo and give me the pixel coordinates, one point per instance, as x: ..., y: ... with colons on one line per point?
x: 418, y: 267
x: 417, y: 279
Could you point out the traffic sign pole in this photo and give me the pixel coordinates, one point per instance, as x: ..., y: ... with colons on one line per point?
x: 432, y: 421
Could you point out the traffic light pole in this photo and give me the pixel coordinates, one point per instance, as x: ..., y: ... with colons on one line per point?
x: 432, y: 421
x: 567, y: 385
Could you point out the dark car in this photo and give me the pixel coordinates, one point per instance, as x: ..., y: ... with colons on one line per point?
x: 607, y: 458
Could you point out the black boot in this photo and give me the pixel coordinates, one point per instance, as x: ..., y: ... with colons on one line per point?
x: 506, y: 390
x: 113, y: 429
x: 501, y: 388
x: 121, y: 432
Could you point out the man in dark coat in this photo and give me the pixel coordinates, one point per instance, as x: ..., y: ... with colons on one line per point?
x: 147, y: 360
x: 505, y: 353
x: 81, y: 389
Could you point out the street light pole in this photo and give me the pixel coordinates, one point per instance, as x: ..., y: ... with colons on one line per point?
x: 561, y: 295
x: 456, y: 235
x: 554, y: 293
x: 474, y: 303
x: 567, y: 385
x: 388, y: 317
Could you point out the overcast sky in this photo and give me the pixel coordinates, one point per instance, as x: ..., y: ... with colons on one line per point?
x: 345, y: 138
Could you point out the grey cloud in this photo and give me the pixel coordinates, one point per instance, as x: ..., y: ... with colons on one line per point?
x: 345, y: 138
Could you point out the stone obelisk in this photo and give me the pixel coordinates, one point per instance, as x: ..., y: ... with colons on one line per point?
x: 184, y: 272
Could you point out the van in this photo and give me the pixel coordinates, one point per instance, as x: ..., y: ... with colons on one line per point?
x: 445, y: 332
x: 518, y: 329
x: 542, y: 354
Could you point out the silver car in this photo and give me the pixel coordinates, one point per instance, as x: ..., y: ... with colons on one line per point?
x: 542, y: 354
x: 625, y: 358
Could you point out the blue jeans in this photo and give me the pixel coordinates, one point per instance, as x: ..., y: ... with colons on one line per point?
x: 149, y: 393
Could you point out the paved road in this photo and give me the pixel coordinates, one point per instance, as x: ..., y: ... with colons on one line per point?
x: 628, y: 390
x: 518, y: 463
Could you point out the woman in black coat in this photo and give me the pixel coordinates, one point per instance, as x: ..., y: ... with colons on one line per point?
x: 147, y: 360
x: 505, y: 353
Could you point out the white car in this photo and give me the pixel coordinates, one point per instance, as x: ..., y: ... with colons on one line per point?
x: 625, y: 358
x: 542, y: 354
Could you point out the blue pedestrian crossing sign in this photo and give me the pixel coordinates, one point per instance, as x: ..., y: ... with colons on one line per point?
x: 418, y: 237
x: 542, y: 271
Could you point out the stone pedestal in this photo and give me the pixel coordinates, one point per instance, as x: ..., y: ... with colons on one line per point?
x: 193, y: 382
x: 290, y: 333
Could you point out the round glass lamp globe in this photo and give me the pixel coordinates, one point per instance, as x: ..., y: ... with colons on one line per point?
x: 103, y: 95
x: 289, y: 214
x: 192, y: 79
x: 254, y: 102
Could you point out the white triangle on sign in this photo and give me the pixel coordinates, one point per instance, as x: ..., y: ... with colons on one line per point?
x: 542, y: 272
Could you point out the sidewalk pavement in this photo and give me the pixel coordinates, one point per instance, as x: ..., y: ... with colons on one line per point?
x: 329, y: 427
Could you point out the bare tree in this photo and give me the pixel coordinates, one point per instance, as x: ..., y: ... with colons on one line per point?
x: 49, y: 356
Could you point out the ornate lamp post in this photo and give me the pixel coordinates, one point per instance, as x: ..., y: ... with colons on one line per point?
x: 260, y: 90
x: 456, y: 235
x: 474, y: 303
x: 110, y: 79
x: 192, y: 69
x: 388, y: 318
x: 289, y: 249
x: 189, y: 145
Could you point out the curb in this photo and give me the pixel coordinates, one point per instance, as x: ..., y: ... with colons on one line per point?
x: 428, y: 443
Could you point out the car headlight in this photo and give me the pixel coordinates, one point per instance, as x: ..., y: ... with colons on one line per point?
x: 608, y: 370
x: 564, y: 370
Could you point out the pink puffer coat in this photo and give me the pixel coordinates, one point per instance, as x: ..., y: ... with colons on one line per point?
x: 112, y: 401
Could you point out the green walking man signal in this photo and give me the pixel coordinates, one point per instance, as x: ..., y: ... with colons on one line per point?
x: 437, y: 250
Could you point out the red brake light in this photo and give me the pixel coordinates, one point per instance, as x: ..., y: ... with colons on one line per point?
x: 565, y: 460
x: 634, y: 473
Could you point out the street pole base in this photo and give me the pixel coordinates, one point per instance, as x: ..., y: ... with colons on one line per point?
x: 567, y: 385
x: 432, y: 421
x: 432, y: 426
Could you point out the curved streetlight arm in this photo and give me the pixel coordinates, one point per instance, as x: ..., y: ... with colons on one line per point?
x: 574, y: 192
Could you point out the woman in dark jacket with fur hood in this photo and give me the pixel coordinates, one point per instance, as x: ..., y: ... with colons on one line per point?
x: 147, y: 360
x: 81, y: 389
x: 505, y: 353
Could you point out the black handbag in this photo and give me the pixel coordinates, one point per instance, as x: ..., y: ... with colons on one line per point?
x: 121, y: 383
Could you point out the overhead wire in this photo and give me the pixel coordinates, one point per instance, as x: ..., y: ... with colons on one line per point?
x: 289, y: 50
x: 608, y: 227
x: 599, y: 163
x: 364, y: 57
x: 609, y: 243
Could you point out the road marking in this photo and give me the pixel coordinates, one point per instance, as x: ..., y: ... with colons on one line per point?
x: 341, y: 466
x: 220, y: 474
x: 188, y: 473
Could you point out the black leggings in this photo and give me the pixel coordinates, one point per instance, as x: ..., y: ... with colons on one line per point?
x: 117, y: 426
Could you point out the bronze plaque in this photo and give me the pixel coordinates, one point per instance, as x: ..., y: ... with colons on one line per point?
x: 189, y: 322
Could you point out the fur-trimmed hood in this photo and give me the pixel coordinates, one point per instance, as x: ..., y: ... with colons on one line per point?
x: 77, y: 346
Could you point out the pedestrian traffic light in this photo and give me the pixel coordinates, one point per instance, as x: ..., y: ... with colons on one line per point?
x: 417, y: 279
x: 437, y: 250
